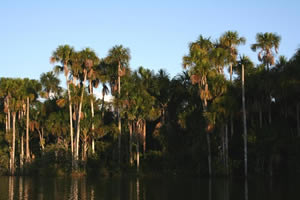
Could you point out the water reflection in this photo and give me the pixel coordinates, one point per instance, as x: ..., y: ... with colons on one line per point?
x: 175, y: 188
x: 246, y: 189
x: 11, y: 188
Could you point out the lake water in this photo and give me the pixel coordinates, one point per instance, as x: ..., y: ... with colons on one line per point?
x: 173, y: 188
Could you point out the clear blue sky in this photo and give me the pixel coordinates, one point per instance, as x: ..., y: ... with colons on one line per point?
x: 157, y: 32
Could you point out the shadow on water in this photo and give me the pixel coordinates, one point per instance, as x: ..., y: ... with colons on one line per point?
x: 175, y: 188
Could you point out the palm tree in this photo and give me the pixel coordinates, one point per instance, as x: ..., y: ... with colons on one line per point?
x: 31, y: 89
x: 120, y: 56
x: 63, y: 55
x: 16, y: 104
x: 198, y: 60
x: 266, y: 42
x: 138, y: 107
x: 244, y: 124
x: 229, y: 41
x: 244, y: 68
x: 89, y: 59
x: 50, y: 84
x: 95, y: 76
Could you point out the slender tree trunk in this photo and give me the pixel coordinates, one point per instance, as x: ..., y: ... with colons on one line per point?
x: 298, y: 120
x: 245, y: 123
x: 6, y: 123
x: 230, y: 72
x: 70, y: 116
x: 226, y: 148
x: 12, y: 166
x: 27, y: 133
x: 223, y: 145
x: 209, y: 153
x: 84, y: 149
x: 119, y: 117
x: 41, y: 136
x: 207, y: 134
x: 130, y: 142
x: 78, y: 120
x: 8, y: 115
x: 93, y: 126
x: 260, y: 117
x: 138, y: 148
x: 270, y: 113
x: 144, y: 136
x: 22, y: 153
x: 231, y: 125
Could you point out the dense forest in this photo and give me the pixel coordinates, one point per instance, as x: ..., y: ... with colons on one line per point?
x: 205, y: 121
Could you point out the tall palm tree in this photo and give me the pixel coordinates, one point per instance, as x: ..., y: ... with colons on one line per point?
x: 265, y: 43
x: 198, y: 60
x: 120, y: 56
x: 16, y: 104
x: 63, y: 55
x: 139, y: 106
x: 244, y: 66
x: 229, y: 41
x: 95, y: 76
x: 31, y: 89
x: 89, y: 59
x: 244, y: 123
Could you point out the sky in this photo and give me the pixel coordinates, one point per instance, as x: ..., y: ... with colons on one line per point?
x: 156, y: 32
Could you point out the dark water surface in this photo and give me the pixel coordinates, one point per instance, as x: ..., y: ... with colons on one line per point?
x: 174, y: 188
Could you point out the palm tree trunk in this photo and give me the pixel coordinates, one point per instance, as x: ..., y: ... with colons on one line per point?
x: 84, y: 149
x: 144, y: 136
x: 204, y: 103
x: 41, y: 136
x: 209, y: 153
x: 27, y: 133
x: 260, y: 117
x: 270, y: 114
x: 119, y: 118
x: 8, y: 115
x: 245, y: 124
x: 130, y: 142
x: 226, y: 148
x: 93, y: 126
x: 231, y: 125
x: 12, y: 156
x: 70, y: 116
x: 22, y: 153
x: 298, y: 120
x: 78, y: 120
x: 223, y: 145
x: 138, y: 147
x: 6, y: 123
x: 230, y: 72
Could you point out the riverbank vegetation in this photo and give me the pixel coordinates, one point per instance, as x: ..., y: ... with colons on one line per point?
x: 193, y: 123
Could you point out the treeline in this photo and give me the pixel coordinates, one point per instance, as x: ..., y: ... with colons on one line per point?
x: 193, y: 123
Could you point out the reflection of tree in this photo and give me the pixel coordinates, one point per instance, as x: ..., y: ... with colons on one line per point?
x: 246, y: 189
x: 11, y: 187
x: 137, y: 188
